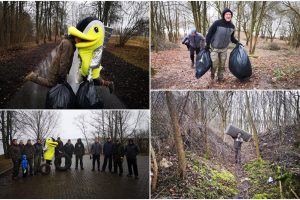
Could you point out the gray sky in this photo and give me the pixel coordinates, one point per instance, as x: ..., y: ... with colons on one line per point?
x: 68, y: 130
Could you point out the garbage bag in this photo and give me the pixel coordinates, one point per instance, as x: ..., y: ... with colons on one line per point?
x: 233, y: 132
x: 86, y: 96
x: 203, y: 63
x: 239, y: 63
x: 60, y: 96
x: 58, y: 162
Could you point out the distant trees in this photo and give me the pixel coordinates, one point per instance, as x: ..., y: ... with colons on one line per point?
x: 15, y: 22
x: 254, y: 19
x: 133, y: 21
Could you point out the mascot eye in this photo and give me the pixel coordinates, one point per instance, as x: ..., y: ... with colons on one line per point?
x: 96, y: 29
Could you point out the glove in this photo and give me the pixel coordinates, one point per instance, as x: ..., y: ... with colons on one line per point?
x: 207, y: 48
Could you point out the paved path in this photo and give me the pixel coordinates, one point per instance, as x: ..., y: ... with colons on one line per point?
x: 80, y: 184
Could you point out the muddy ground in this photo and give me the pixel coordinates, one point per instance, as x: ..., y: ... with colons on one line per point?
x: 270, y: 70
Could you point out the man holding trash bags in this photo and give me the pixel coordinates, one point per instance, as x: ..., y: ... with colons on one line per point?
x: 219, y: 35
x: 194, y: 39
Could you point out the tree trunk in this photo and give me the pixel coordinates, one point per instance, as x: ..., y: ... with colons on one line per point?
x: 177, y: 134
x: 251, y: 121
x: 154, y: 168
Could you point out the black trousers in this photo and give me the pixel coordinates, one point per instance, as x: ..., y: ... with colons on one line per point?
x: 30, y: 163
x: 132, y: 164
x: 109, y: 158
x: 192, y: 53
x: 16, y: 168
x: 96, y: 158
x: 81, y: 163
x: 118, y: 164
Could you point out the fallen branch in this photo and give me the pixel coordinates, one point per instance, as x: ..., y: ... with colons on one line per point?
x: 297, y: 197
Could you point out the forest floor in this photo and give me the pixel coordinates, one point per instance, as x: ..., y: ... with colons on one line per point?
x: 271, y: 69
x: 131, y: 81
x: 218, y: 176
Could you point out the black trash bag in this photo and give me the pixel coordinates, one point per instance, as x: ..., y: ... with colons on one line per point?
x: 86, y: 96
x: 239, y: 63
x: 203, y: 63
x: 58, y: 162
x: 60, y: 96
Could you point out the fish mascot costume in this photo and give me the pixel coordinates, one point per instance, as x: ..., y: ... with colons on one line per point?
x: 92, y: 37
x: 50, y: 150
x: 91, y: 31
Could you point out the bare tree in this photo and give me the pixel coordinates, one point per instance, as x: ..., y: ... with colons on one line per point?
x: 177, y: 134
x: 38, y: 124
x: 82, y: 123
x: 134, y: 20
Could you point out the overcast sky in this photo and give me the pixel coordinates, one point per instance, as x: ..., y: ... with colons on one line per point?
x: 68, y: 130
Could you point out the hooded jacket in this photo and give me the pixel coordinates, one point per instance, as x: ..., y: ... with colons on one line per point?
x: 221, y: 33
x: 79, y: 148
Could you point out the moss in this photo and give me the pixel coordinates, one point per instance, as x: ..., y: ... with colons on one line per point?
x: 212, y: 181
x: 259, y: 172
x: 223, y: 176
x: 261, y: 196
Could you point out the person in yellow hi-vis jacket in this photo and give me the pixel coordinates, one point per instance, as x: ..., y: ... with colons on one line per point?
x: 89, y: 36
x: 50, y: 150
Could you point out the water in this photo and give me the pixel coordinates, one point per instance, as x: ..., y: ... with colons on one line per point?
x: 33, y: 96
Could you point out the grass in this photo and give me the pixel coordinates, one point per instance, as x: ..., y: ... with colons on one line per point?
x: 135, y: 52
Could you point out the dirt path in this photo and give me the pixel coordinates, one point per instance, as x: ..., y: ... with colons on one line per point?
x: 15, y: 64
x: 272, y: 69
x: 248, y: 154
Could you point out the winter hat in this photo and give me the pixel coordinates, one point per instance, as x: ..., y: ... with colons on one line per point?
x: 193, y: 30
x: 225, y: 11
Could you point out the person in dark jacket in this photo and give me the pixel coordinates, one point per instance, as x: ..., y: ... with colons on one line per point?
x: 29, y: 152
x: 219, y: 35
x: 131, y: 152
x: 69, y: 149
x: 22, y: 147
x: 237, y: 148
x: 60, y: 65
x: 38, y: 153
x: 196, y: 41
x: 59, y: 149
x: 118, y: 155
x: 79, y: 153
x: 15, y: 154
x: 96, y: 150
x: 107, y: 151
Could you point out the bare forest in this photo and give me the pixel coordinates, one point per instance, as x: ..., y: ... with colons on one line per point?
x: 193, y: 156
x: 268, y: 30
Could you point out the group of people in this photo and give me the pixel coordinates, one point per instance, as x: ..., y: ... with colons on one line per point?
x: 217, y: 40
x: 115, y: 153
x: 29, y: 155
